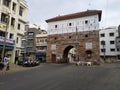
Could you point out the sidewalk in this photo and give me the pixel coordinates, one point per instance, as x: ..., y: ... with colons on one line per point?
x: 15, y: 68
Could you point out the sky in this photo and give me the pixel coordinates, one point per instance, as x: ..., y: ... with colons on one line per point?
x: 41, y: 10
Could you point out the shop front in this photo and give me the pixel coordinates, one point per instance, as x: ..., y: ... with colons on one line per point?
x: 7, y: 48
x: 41, y: 56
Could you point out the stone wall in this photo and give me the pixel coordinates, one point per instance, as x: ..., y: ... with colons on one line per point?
x: 61, y: 41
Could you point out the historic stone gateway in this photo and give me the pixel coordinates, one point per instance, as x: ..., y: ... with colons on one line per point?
x: 79, y: 31
x: 59, y: 46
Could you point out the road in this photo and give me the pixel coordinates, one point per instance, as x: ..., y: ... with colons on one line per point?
x: 64, y: 77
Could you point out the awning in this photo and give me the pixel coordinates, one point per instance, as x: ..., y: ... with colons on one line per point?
x: 40, y: 54
x: 7, y: 47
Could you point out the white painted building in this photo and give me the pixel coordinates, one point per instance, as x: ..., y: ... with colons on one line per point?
x: 41, y: 41
x: 41, y: 45
x: 65, y: 31
x: 15, y: 12
x: 33, y: 26
x: 84, y: 21
x: 108, y: 36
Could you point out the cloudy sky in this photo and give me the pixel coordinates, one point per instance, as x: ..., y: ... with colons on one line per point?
x: 41, y: 10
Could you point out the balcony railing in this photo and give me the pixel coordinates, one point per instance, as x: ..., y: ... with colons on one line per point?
x: 30, y: 37
x: 41, y: 50
x: 8, y: 41
x: 41, y: 44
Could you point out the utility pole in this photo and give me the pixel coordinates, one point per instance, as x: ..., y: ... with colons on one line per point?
x: 77, y: 54
x: 4, y: 43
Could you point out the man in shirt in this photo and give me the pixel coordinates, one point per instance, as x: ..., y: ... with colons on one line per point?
x: 6, y: 64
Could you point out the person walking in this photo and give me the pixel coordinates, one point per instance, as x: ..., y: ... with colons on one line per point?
x: 6, y: 64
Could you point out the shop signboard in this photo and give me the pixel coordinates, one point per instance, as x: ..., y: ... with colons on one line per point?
x: 7, y: 40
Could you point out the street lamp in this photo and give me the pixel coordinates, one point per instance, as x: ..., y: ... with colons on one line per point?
x: 4, y: 43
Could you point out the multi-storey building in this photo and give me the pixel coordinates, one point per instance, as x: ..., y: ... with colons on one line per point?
x: 118, y: 43
x: 13, y: 17
x: 77, y: 30
x: 84, y: 21
x: 41, y: 45
x: 24, y: 38
x: 31, y: 41
x: 107, y: 43
x: 34, y: 42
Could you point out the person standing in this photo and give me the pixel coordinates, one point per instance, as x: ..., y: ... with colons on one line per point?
x: 1, y: 64
x: 6, y: 64
x: 0, y: 59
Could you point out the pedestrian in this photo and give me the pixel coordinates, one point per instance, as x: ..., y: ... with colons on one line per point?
x: 6, y: 64
x: 0, y: 59
x: 1, y: 64
x: 16, y: 60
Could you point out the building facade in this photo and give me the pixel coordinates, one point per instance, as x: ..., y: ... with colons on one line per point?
x: 118, y: 43
x: 84, y: 21
x: 107, y: 43
x: 13, y: 16
x: 41, y: 45
x: 77, y: 30
x: 34, y: 42
x: 26, y: 36
x: 31, y: 41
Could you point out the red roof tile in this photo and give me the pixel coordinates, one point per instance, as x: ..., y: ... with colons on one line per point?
x: 76, y: 15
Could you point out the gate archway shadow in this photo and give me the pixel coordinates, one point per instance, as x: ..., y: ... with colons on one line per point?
x: 65, y: 54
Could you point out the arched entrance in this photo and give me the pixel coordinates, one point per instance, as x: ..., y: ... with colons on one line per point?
x: 60, y: 46
x: 65, y: 54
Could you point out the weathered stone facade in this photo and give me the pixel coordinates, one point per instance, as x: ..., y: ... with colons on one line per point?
x: 60, y: 44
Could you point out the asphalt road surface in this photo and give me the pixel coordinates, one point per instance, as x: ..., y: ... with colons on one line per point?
x: 64, y: 77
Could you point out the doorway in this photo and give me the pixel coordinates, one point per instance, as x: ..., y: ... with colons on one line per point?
x: 65, y: 54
